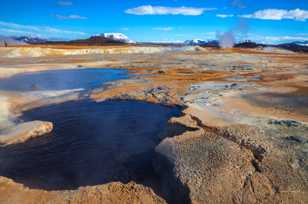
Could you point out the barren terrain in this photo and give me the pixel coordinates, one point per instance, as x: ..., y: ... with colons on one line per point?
x: 246, y: 111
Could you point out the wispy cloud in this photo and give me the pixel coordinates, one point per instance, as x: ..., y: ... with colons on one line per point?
x: 70, y: 17
x: 279, y: 14
x: 161, y: 10
x: 224, y: 15
x: 65, y: 3
x: 41, y: 31
x: 166, y: 29
x: 13, y: 31
x: 18, y: 26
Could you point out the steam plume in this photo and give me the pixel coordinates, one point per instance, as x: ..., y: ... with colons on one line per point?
x: 226, y: 39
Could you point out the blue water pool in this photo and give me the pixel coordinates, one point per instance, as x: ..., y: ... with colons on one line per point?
x: 56, y: 80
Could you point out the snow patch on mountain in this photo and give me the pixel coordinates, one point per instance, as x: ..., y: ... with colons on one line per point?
x: 30, y: 40
x: 120, y: 37
x: 195, y: 42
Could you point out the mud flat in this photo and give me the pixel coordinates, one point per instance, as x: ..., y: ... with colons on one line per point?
x: 241, y: 138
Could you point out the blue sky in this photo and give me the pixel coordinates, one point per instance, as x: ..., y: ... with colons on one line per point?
x: 157, y: 20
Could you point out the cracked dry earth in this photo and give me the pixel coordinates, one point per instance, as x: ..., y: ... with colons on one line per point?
x: 245, y: 110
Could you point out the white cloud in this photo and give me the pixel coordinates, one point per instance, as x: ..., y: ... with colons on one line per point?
x: 70, y: 17
x: 65, y: 3
x: 60, y: 31
x: 161, y: 10
x: 18, y: 26
x: 166, y: 29
x: 224, y: 15
x: 41, y: 31
x: 12, y: 31
x: 279, y: 14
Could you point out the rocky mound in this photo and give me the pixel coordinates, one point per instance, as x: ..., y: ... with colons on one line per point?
x: 110, y: 193
x: 236, y: 164
x: 24, y: 131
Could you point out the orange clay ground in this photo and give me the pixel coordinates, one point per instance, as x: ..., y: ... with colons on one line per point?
x: 247, y: 110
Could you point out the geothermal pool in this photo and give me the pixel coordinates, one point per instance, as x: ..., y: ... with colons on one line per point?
x: 92, y: 143
x: 56, y: 80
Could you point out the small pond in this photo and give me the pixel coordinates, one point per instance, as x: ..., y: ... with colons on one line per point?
x: 56, y: 80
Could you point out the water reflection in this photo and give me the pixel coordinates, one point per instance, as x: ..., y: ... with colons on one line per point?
x: 62, y: 79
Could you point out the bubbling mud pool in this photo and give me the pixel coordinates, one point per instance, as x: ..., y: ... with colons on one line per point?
x: 67, y: 79
x: 92, y: 143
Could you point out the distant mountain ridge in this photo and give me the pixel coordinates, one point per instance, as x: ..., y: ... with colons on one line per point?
x: 119, y: 38
x: 101, y: 39
x: 105, y: 38
x: 199, y: 42
x: 10, y: 41
x: 295, y: 47
x: 195, y: 42
x: 30, y: 40
x: 20, y: 40
x: 302, y: 43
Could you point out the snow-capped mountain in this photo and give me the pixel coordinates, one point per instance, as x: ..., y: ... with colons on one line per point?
x: 199, y: 42
x: 20, y: 40
x: 10, y: 41
x: 30, y: 40
x: 195, y: 42
x: 302, y: 43
x: 120, y: 37
x: 102, y: 39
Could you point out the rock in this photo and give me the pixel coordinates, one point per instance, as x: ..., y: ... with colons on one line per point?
x: 288, y: 123
x: 161, y: 94
x: 225, y: 165
x: 24, y: 131
x: 298, y: 139
x: 231, y: 86
x: 204, y: 167
x: 243, y: 67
